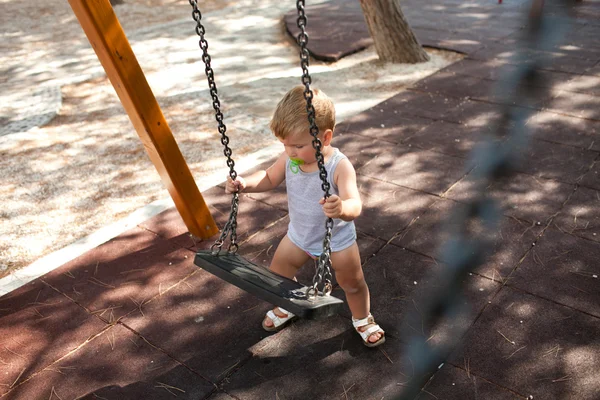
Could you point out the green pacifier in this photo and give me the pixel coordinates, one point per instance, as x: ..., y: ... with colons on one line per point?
x: 295, y: 164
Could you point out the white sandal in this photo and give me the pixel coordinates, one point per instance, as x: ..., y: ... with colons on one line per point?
x: 278, y: 322
x: 359, y: 323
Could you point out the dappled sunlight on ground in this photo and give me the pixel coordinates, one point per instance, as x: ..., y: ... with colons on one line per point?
x: 88, y: 168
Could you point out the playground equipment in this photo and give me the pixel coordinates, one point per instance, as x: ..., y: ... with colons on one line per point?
x: 106, y: 36
x: 306, y: 302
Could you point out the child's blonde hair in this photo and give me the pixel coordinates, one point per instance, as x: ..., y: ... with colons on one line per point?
x: 290, y: 116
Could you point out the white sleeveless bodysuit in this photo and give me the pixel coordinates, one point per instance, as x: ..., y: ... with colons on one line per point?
x: 307, y: 220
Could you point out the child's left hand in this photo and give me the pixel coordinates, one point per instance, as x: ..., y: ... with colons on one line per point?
x: 333, y: 207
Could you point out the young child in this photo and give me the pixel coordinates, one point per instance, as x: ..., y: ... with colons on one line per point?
x: 308, y: 210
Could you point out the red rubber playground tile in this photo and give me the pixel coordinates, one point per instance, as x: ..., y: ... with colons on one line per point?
x: 449, y: 84
x: 565, y: 129
x: 453, y: 383
x: 38, y: 326
x: 580, y: 215
x: 170, y: 226
x: 114, y: 365
x: 564, y: 269
x: 416, y: 169
x: 594, y: 70
x: 554, y: 161
x: 557, y: 60
x: 204, y: 322
x: 521, y: 196
x: 587, y: 12
x: 359, y: 149
x: 462, y: 42
x: 534, y: 347
x: 447, y: 138
x: 114, y: 278
x: 337, y: 29
x: 577, y: 42
x: 497, y: 70
x: 588, y: 84
x: 479, y: 114
x: 426, y: 105
x: 276, y: 198
x: 400, y: 281
x: 384, y: 123
x: 484, y: 69
x: 579, y: 105
x: 566, y: 62
x: 592, y: 178
x: 500, y: 92
x: 510, y: 244
x: 322, y: 359
x: 387, y: 208
x: 220, y: 396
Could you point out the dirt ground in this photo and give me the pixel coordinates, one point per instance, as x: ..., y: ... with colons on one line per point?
x: 86, y: 167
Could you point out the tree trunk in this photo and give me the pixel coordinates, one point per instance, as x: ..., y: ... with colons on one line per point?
x: 394, y: 40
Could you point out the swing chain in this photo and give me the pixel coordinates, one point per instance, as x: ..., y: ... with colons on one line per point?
x: 322, y: 277
x: 231, y: 226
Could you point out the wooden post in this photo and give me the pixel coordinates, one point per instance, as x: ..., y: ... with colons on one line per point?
x: 98, y: 20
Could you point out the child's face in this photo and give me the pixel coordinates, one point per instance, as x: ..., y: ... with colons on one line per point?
x: 300, y: 147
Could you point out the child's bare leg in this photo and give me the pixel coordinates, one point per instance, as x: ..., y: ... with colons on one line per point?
x: 351, y: 279
x: 288, y: 259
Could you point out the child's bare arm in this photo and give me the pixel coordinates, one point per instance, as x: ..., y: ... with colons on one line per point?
x: 260, y: 181
x: 347, y: 205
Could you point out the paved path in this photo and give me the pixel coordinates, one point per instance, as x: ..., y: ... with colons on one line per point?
x: 134, y: 318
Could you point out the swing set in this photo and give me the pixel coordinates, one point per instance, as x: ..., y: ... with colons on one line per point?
x: 106, y: 36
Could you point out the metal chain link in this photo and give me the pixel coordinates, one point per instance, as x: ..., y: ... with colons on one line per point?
x: 230, y: 228
x: 322, y: 277
x: 496, y: 159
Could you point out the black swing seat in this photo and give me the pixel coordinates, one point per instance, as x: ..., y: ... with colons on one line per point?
x: 267, y: 285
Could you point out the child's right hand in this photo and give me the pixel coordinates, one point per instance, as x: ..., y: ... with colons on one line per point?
x: 235, y: 186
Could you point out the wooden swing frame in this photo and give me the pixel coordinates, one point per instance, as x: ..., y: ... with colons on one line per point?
x: 103, y: 30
